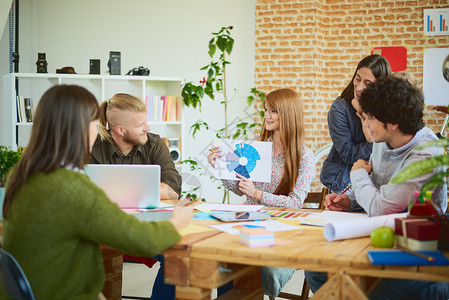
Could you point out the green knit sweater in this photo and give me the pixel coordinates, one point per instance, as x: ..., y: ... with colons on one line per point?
x: 54, y: 228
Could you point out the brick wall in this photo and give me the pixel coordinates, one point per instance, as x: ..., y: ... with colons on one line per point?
x: 314, y: 46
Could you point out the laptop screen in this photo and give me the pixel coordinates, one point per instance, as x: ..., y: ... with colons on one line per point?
x: 130, y: 186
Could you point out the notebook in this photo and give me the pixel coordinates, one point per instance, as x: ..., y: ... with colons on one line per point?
x: 130, y: 186
x: 396, y: 257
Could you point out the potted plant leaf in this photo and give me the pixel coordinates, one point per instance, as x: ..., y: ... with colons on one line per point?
x: 424, y: 166
x: 8, y: 158
x: 427, y: 165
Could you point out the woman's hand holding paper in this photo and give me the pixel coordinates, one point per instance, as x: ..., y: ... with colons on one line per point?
x: 213, y: 155
x: 247, y: 187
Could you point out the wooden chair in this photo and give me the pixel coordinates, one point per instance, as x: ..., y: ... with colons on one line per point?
x: 316, y: 199
x: 313, y: 200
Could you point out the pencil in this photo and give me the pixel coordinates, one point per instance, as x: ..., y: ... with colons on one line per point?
x: 194, y: 202
x: 418, y: 254
x: 240, y: 214
x: 344, y: 191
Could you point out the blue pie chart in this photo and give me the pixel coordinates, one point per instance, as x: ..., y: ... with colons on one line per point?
x: 243, y: 160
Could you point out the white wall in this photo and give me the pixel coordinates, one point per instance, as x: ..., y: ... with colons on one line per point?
x: 169, y: 37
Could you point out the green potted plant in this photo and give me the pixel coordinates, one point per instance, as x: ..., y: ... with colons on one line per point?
x: 424, y: 166
x: 214, y: 85
x: 8, y: 158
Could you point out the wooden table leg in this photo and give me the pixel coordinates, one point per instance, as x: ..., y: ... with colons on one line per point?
x: 113, y: 268
x: 330, y: 290
x: 195, y: 278
x: 340, y: 286
x: 350, y: 290
x: 189, y: 292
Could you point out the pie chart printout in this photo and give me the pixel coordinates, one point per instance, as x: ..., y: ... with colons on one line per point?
x: 251, y: 159
x: 243, y: 160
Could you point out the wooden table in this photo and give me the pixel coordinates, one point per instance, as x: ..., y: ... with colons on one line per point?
x: 200, y: 263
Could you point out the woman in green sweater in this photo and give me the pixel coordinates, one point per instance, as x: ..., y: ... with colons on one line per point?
x: 54, y: 217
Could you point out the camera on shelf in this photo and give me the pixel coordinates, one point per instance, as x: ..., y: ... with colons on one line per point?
x: 41, y: 63
x: 141, y: 71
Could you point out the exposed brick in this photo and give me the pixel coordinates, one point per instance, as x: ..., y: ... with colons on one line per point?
x: 314, y: 46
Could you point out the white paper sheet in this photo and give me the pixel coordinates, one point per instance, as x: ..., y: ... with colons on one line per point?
x: 435, y: 87
x: 251, y: 159
x: 359, y: 227
x: 270, y: 225
x: 325, y: 217
x: 229, y: 207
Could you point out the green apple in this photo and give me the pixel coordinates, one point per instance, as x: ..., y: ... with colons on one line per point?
x: 382, y: 237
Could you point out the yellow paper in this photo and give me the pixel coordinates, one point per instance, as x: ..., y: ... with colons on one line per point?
x: 193, y: 228
x: 294, y: 222
x: 201, y: 208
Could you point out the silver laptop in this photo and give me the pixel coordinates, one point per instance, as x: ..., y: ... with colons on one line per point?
x: 130, y: 186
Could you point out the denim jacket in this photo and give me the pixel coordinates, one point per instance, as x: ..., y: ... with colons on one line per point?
x: 349, y: 145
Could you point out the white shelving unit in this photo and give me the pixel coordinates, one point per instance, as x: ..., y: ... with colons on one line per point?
x: 102, y: 86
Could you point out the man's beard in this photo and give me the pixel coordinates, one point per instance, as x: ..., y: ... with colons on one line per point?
x: 136, y: 141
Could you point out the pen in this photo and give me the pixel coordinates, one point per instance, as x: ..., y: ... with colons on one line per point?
x: 418, y: 254
x: 345, y: 190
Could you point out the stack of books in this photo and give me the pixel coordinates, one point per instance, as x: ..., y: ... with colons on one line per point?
x: 163, y: 108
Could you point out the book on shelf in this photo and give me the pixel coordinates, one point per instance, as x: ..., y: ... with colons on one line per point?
x: 25, y: 109
x: 28, y: 109
x: 21, y: 114
x: 163, y: 108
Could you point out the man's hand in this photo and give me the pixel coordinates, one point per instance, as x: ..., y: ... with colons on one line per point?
x: 167, y: 192
x: 337, y: 202
x: 362, y: 164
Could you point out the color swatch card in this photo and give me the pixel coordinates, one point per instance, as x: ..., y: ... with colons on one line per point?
x: 251, y: 159
x: 286, y: 214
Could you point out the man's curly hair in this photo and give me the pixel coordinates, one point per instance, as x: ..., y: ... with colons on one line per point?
x: 396, y: 101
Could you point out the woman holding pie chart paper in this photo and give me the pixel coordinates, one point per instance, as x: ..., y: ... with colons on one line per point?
x: 293, y: 168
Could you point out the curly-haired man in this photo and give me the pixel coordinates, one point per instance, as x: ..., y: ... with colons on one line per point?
x: 392, y: 109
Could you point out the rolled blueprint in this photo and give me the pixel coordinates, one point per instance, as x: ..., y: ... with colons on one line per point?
x: 358, y: 228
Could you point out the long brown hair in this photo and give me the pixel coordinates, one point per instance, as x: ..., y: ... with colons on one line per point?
x: 59, y: 137
x: 121, y: 101
x: 378, y: 65
x: 289, y: 107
